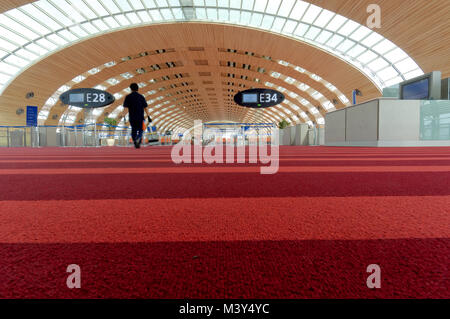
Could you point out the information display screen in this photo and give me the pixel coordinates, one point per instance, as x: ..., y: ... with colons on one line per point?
x: 87, y: 98
x: 250, y: 98
x: 259, y: 98
x: 76, y: 98
x: 417, y: 90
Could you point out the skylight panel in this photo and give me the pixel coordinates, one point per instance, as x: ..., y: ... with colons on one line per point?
x: 36, y: 49
x: 178, y: 13
x: 387, y: 73
x: 137, y: 4
x: 72, y: 12
x: 312, y: 33
x: 56, y: 39
x: 267, y: 22
x: 299, y: 69
x: 111, y: 22
x: 406, y: 65
x: 343, y: 99
x: 144, y: 16
x: 124, y: 5
x: 247, y: 4
x: 26, y: 54
x: 313, y: 110
x: 348, y: 28
x: 334, y: 40
x: 46, y: 44
x: 78, y: 79
x: 367, y: 57
x: 272, y: 6
x: 52, y: 11
x: 18, y: 28
x: 311, y: 14
x: 260, y: 5
x: 331, y: 87
x: 223, y: 14
x: 256, y: 19
x: 275, y: 75
x: 317, y: 95
x: 378, y: 64
x: 69, y: 36
x: 100, y: 25
x: 133, y: 18
x: 200, y: 13
x: 396, y: 55
x: 299, y: 10
x: 372, y: 39
x: 360, y: 33
x: 286, y: 7
x: 315, y: 77
x: 321, y: 121
x: 78, y: 31
x: 289, y: 80
x: 4, y: 78
x: 384, y: 46
x: 122, y: 19
x: 303, y: 87
x: 235, y: 16
x: 89, y: 28
x: 356, y: 50
x: 324, y: 36
x: 96, y: 6
x: 301, y: 29
x: 117, y: 96
x: 6, y: 45
x: 346, y: 45
x: 110, y: 6
x: 327, y: 105
x: 236, y: 4
x: 413, y: 74
x: 324, y: 18
x: 278, y: 24
x: 337, y: 22
x: 212, y: 13
x: 83, y: 9
x: 12, y: 37
x: 167, y: 14
x: 94, y: 71
x: 289, y: 26
x: 32, y: 11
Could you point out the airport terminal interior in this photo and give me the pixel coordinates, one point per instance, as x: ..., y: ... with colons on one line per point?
x: 293, y: 149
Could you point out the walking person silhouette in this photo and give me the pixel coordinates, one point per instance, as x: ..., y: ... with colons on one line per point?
x: 136, y: 105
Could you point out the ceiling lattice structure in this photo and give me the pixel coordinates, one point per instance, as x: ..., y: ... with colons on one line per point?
x: 35, y: 30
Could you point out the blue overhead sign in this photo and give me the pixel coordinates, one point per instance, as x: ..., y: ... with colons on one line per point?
x: 32, y: 115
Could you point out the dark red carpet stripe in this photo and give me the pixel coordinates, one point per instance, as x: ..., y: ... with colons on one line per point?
x: 135, y: 186
x: 411, y: 268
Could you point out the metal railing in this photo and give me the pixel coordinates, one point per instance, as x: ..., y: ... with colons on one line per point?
x: 88, y: 135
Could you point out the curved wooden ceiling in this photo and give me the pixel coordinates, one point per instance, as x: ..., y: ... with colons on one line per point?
x: 199, y: 52
x: 421, y: 28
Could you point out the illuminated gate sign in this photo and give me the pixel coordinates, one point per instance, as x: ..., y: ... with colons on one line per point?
x: 87, y: 98
x: 258, y: 98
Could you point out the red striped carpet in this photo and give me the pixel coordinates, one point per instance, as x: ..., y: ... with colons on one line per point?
x: 140, y: 226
